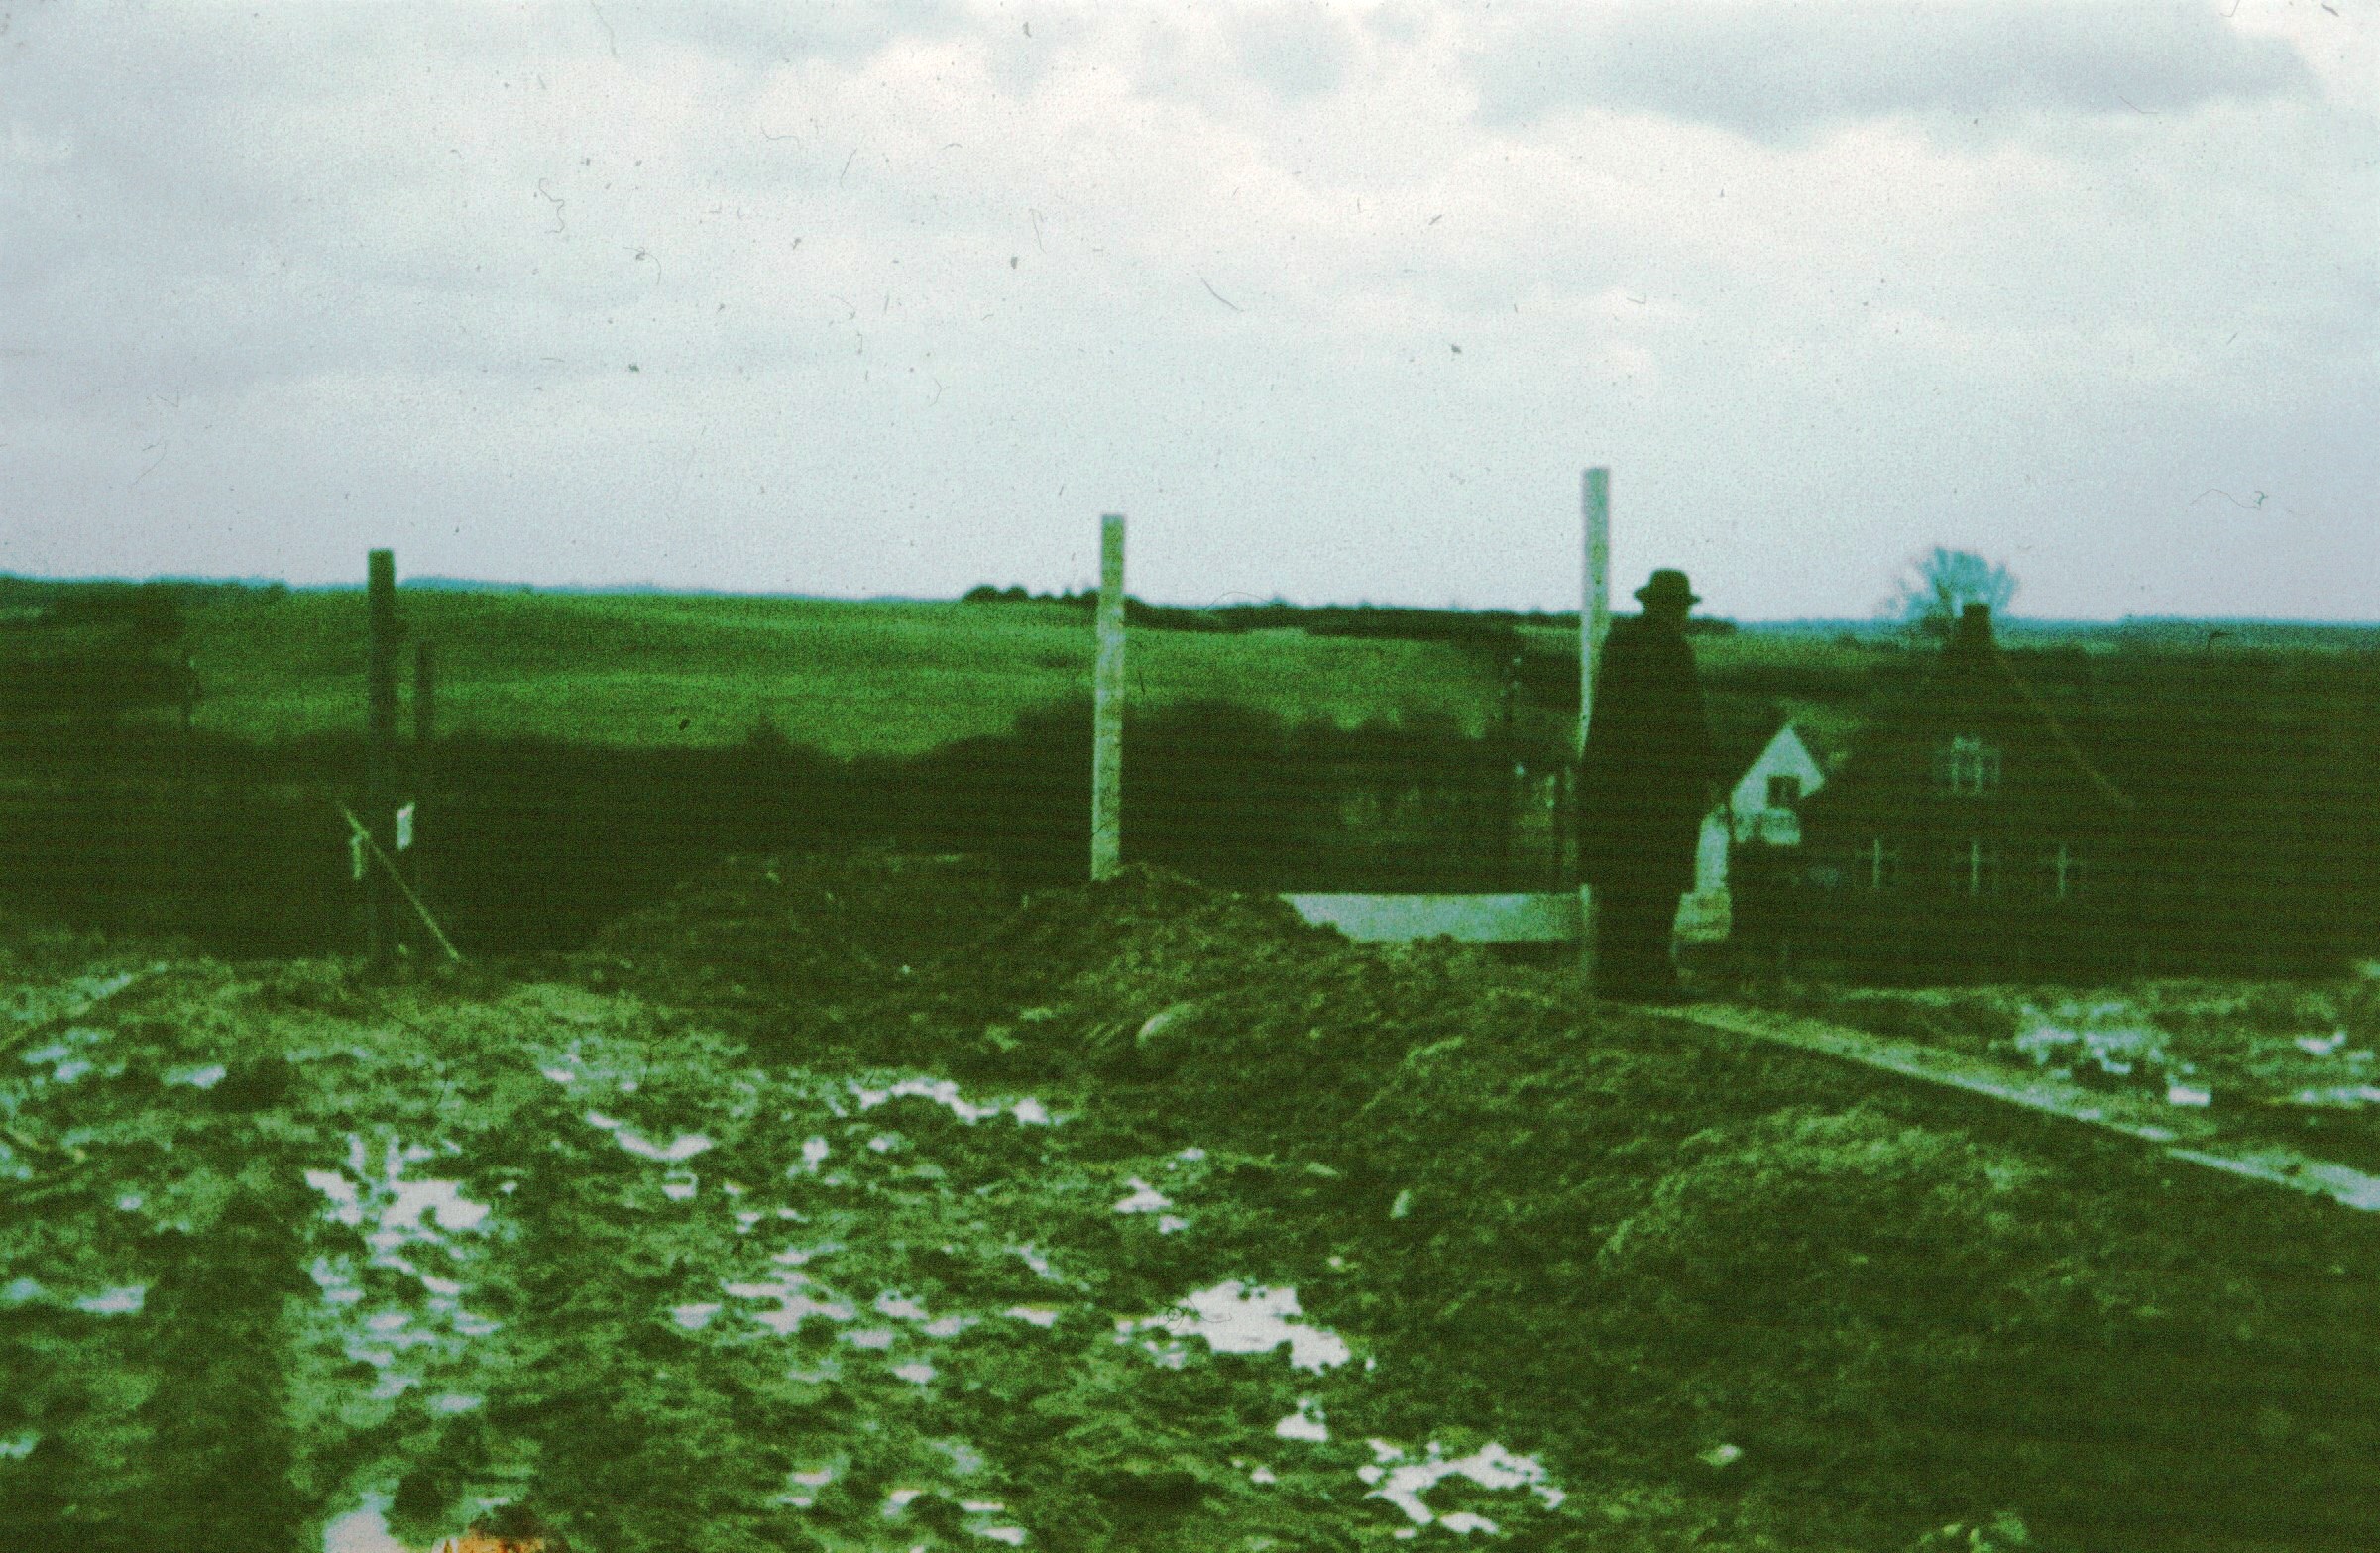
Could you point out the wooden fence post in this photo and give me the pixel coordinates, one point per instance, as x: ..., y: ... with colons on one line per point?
x: 380, y: 757
x: 1107, y: 709
x: 425, y: 731
x: 1594, y: 620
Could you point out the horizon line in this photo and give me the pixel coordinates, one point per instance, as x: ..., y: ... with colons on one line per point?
x: 442, y: 581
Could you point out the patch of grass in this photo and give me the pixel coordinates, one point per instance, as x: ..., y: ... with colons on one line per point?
x: 847, y: 678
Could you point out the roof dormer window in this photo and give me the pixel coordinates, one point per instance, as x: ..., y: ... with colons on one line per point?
x: 1968, y: 765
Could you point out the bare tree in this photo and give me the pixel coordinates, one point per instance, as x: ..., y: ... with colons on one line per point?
x: 1937, y: 587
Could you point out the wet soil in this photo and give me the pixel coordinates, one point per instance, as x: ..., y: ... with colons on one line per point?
x: 849, y: 1205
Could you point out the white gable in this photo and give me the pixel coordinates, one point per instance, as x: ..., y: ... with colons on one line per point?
x: 1785, y: 756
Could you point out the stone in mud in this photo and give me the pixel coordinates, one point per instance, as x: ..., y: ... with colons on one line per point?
x: 1167, y: 1026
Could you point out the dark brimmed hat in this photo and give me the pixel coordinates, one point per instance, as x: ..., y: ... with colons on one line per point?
x: 1668, y: 586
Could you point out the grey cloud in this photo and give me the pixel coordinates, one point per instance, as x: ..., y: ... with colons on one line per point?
x: 1774, y: 72
x: 1296, y: 51
x: 1292, y: 52
x: 768, y: 34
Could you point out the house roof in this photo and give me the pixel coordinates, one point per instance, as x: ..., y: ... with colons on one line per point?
x: 1741, y: 755
x: 1972, y: 663
x: 1739, y: 734
x: 2063, y: 739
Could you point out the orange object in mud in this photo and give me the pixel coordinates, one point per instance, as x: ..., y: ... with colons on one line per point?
x: 512, y: 1530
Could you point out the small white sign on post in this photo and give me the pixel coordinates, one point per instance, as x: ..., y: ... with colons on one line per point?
x: 404, y: 827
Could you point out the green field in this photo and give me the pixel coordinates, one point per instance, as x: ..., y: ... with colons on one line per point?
x: 641, y: 669
x: 848, y: 678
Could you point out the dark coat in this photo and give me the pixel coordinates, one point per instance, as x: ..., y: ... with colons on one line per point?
x: 1643, y: 782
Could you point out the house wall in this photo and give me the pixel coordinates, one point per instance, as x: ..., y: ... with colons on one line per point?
x: 1926, y: 920
x: 1754, y: 820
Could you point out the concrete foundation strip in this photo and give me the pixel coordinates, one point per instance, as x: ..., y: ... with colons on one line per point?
x: 2193, y: 1139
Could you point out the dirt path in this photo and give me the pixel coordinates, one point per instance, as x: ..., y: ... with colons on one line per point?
x: 2193, y: 1136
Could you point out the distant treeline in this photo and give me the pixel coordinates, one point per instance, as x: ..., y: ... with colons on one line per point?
x: 1401, y: 622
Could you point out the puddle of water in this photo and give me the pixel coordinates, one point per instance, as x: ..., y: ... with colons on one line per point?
x: 347, y: 1202
x: 363, y: 1530
x: 802, y: 1485
x: 442, y: 1200
x: 396, y: 1215
x: 1255, y: 1321
x: 67, y: 1056
x: 124, y: 1301
x: 1029, y: 1111
x: 794, y: 1303
x: 684, y: 1147
x: 941, y: 1091
x: 2339, y: 1096
x: 1145, y: 1199
x: 1402, y: 1482
x: 1305, y: 1423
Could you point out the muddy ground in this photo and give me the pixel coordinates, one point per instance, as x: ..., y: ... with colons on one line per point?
x: 840, y: 1206
x: 2291, y: 1063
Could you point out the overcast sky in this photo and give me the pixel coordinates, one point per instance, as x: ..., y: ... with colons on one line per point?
x: 1335, y: 302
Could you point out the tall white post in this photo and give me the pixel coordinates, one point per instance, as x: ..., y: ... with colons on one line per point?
x: 1107, y: 709
x: 1595, y: 612
x: 1594, y: 620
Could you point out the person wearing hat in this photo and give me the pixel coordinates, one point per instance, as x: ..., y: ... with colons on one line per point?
x: 1647, y: 778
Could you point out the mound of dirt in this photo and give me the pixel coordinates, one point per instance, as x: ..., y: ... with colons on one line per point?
x: 1231, y: 1004
x: 799, y: 935
x: 1711, y: 1247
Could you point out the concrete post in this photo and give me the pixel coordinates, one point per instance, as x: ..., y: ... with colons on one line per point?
x: 1594, y: 620
x: 1107, y: 709
x: 380, y: 758
x: 1595, y: 615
